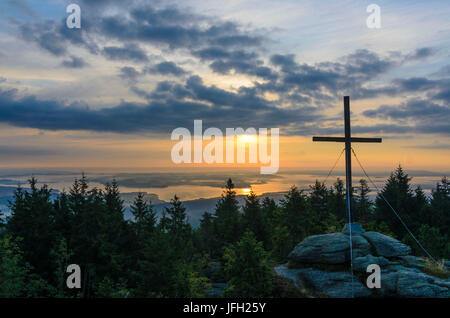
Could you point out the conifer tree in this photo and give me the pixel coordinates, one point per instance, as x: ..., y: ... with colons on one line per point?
x: 399, y: 194
x: 297, y: 216
x: 207, y: 238
x: 363, y: 206
x: 247, y: 268
x: 144, y: 216
x: 253, y: 218
x: 228, y: 218
x: 337, y: 200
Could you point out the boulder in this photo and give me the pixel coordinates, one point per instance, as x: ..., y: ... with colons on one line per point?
x: 329, y: 249
x: 411, y: 259
x: 408, y: 283
x: 360, y: 263
x: 324, y: 259
x: 291, y: 274
x: 356, y: 228
x: 333, y: 284
x: 386, y: 246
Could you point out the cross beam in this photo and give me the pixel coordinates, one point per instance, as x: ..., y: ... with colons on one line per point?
x: 348, y: 139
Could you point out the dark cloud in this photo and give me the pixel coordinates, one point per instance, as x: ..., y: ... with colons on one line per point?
x: 218, y: 53
x: 443, y: 71
x: 174, y: 28
x: 420, y: 54
x: 435, y: 89
x: 55, y: 37
x: 129, y: 74
x: 415, y: 84
x: 286, y: 62
x: 415, y: 115
x: 218, y: 108
x: 443, y: 95
x: 415, y: 109
x: 129, y: 52
x: 170, y: 27
x: 46, y: 36
x: 74, y: 62
x: 225, y: 61
x: 12, y: 151
x: 324, y: 82
x: 166, y: 68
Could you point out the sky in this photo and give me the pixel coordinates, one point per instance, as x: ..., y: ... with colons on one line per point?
x: 107, y: 96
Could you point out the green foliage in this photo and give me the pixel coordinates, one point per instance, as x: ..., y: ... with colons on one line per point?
x: 228, y: 218
x: 144, y: 216
x: 254, y: 219
x: 247, y: 269
x: 107, y: 288
x: 16, y: 279
x: 431, y: 238
x: 298, y: 215
x: 363, y: 211
x: 401, y: 197
x: 13, y: 270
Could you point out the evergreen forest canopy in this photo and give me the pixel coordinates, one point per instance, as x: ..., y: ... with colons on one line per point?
x: 164, y: 256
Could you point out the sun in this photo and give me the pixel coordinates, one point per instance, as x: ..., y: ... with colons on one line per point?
x: 246, y: 191
x: 248, y: 138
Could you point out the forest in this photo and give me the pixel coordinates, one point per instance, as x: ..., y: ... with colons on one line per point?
x: 162, y: 255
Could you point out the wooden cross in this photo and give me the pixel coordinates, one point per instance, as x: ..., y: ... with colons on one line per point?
x: 348, y: 139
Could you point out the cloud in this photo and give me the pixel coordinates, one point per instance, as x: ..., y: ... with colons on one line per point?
x: 443, y: 71
x: 166, y: 68
x: 432, y: 146
x: 130, y: 74
x: 443, y: 95
x: 55, y: 38
x: 415, y: 115
x: 74, y: 62
x: 299, y: 86
x: 218, y: 108
x: 12, y: 151
x: 299, y: 92
x: 130, y: 52
x: 420, y: 54
x: 415, y: 109
x: 224, y: 61
x: 174, y: 28
x: 287, y: 62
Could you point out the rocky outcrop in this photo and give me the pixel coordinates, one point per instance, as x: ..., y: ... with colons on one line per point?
x: 360, y: 263
x: 386, y: 246
x: 321, y: 263
x: 333, y: 284
x: 406, y: 282
x: 329, y: 249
